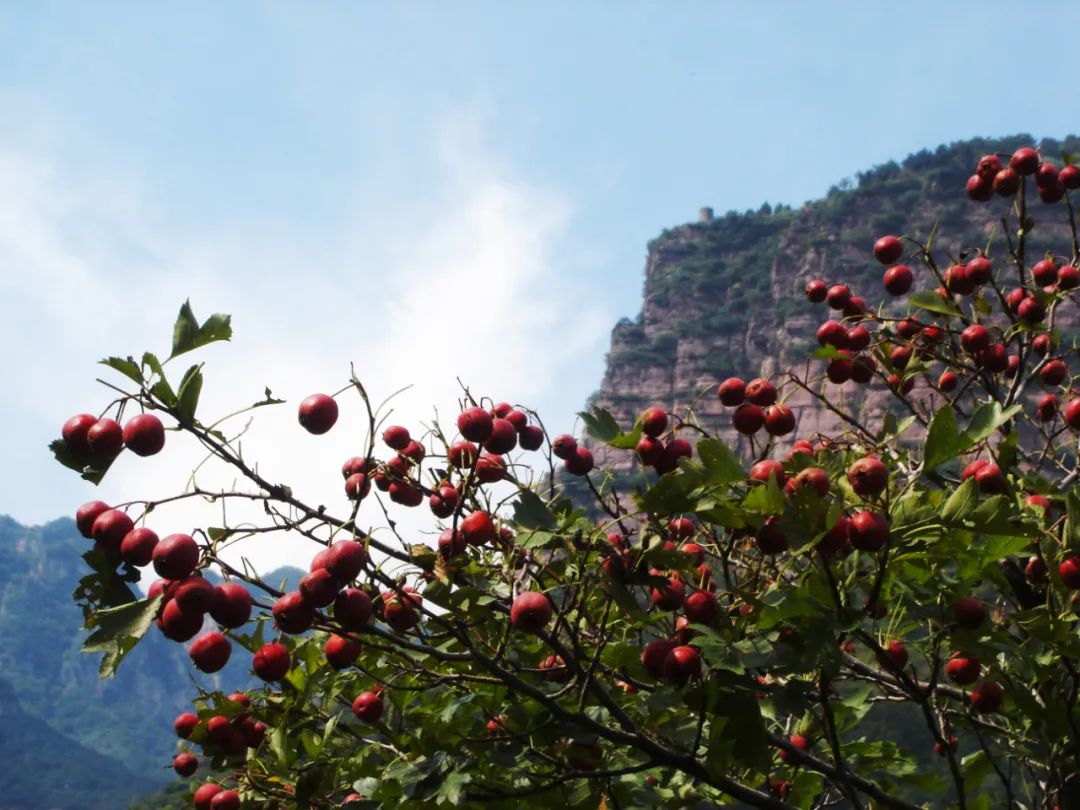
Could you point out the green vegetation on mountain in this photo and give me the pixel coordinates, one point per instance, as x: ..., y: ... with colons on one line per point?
x: 112, y: 739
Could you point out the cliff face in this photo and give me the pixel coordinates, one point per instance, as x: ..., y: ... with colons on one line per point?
x: 725, y: 296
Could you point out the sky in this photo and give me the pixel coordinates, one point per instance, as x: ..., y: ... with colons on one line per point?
x: 430, y: 191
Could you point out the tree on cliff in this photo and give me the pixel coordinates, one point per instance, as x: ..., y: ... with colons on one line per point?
x: 728, y: 630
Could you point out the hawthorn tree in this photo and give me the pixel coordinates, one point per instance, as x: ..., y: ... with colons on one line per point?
x: 701, y: 629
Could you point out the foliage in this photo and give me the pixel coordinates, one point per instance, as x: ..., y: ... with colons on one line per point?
x: 714, y: 634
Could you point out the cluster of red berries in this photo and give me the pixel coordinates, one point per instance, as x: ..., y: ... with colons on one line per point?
x: 89, y: 437
x: 992, y: 177
x: 756, y: 407
x: 653, y: 450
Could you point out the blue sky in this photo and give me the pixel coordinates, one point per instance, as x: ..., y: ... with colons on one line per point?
x: 431, y: 190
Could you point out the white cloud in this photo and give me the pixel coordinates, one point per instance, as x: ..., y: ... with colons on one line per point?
x: 465, y: 283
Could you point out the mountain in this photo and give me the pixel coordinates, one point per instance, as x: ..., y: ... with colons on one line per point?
x: 724, y: 296
x: 110, y: 740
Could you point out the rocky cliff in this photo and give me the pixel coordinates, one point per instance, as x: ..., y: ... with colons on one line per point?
x: 724, y: 296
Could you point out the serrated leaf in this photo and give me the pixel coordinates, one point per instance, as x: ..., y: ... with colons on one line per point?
x: 987, y: 419
x: 126, y: 366
x: 942, y: 438
x: 961, y: 502
x: 721, y: 465
x: 119, y: 629
x: 932, y: 302
x: 90, y: 468
x: 600, y: 424
x: 531, y: 512
x: 187, y: 399
x: 161, y: 388
x: 188, y: 334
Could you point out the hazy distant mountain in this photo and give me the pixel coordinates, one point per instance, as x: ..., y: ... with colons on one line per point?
x: 68, y: 740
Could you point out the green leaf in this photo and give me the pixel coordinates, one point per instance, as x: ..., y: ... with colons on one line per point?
x: 91, y: 468
x: 942, y: 439
x: 161, y: 389
x: 721, y: 465
x: 530, y: 512
x: 987, y: 419
x: 737, y: 732
x: 126, y: 366
x: 1072, y: 509
x: 119, y: 630
x: 452, y: 787
x: 975, y: 768
x: 961, y: 503
x: 600, y: 424
x: 188, y: 334
x: 932, y: 302
x: 187, y: 400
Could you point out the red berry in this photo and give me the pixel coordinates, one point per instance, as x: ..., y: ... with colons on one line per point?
x: 893, y: 655
x: 969, y: 612
x: 475, y: 424
x: 352, y: 609
x: 292, y: 613
x: 1045, y: 273
x: 767, y: 468
x: 816, y: 291
x: 175, y: 556
x: 655, y: 653
x: 761, y: 392
x: 682, y: 664
x: 563, y: 446
x: 898, y: 279
x: 210, y: 651
x: 1006, y: 182
x: 503, y: 437
x: 670, y: 596
x: 144, y: 434
x: 478, y: 529
x: 1024, y: 161
x: 531, y: 437
x: 868, y: 531
x: 581, y: 463
x: 988, y: 166
x: 838, y: 296
x: 1069, y: 571
x: 987, y: 697
x: 979, y: 188
x: 137, y: 547
x: 975, y: 338
x: 888, y: 249
x: 368, y: 707
x: 654, y: 422
x: 396, y: 437
x: 732, y: 391
x: 111, y: 527
x: 990, y: 479
x: 271, y: 661
x: 185, y: 764
x: 833, y: 333
x: 868, y: 476
x: 771, y: 539
x: 963, y: 670
x: 105, y: 437
x: 700, y: 607
x: 340, y: 651
x: 231, y: 604
x: 75, y: 429
x: 779, y: 420
x: 531, y: 612
x: 748, y: 419
x: 1053, y: 372
x: 318, y: 413
x: 1072, y: 414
